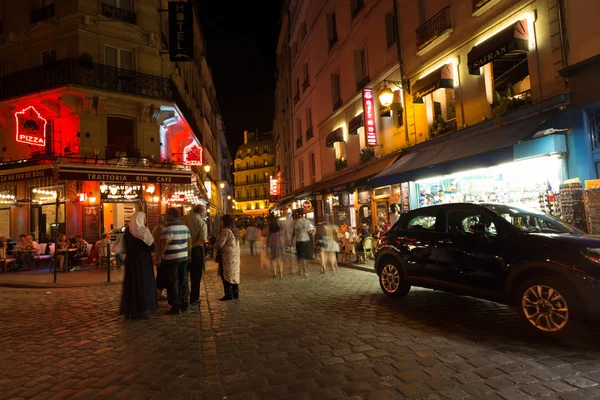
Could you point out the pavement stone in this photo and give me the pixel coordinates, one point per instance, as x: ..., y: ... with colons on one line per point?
x: 316, y: 337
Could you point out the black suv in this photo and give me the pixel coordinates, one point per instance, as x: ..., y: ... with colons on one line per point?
x: 546, y: 268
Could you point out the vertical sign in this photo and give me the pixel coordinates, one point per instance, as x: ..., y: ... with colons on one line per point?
x: 181, y: 31
x: 273, y: 189
x: 369, y: 115
x: 192, y: 155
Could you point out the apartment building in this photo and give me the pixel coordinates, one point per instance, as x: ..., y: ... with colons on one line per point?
x: 94, y: 80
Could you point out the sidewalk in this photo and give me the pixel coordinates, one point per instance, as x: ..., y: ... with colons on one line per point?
x: 368, y: 266
x: 43, y: 278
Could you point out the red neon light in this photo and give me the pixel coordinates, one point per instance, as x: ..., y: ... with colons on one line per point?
x: 31, y: 127
x: 192, y: 154
x: 369, y: 116
x: 176, y: 198
x: 274, y: 186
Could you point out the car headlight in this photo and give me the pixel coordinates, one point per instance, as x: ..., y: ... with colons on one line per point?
x: 592, y: 254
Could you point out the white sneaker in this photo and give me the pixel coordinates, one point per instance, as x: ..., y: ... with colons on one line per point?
x: 73, y: 269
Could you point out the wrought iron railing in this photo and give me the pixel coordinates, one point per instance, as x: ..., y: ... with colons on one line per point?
x: 252, y: 182
x: 119, y: 13
x: 42, y: 13
x: 477, y: 4
x: 434, y: 28
x: 309, y: 133
x: 251, y: 198
x: 71, y: 71
x: 116, y: 152
x: 299, y: 142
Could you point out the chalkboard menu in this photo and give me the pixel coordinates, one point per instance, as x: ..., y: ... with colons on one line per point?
x: 91, y: 223
x: 152, y: 214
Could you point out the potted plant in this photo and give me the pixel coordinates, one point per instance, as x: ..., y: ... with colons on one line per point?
x: 340, y: 163
x: 366, y: 154
x: 86, y: 60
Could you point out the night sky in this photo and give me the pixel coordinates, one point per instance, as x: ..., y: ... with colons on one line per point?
x: 241, y: 41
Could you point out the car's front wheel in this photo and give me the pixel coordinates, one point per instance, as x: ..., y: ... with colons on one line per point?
x: 392, y: 281
x: 549, y: 305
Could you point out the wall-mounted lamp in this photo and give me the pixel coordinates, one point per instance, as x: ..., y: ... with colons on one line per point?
x: 222, y: 185
x: 386, y: 95
x: 150, y: 188
x: 207, y: 168
x: 228, y: 197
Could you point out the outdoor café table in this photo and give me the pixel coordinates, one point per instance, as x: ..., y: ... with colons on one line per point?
x: 66, y: 253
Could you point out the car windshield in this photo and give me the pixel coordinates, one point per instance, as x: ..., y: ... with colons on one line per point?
x: 533, y: 221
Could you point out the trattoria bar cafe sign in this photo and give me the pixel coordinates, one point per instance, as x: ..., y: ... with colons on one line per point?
x: 181, y: 31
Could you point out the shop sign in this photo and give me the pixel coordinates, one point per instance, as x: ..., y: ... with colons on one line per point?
x: 177, y: 198
x: 181, y: 31
x: 307, y: 205
x: 369, y: 115
x: 122, y: 177
x: 31, y: 127
x: 19, y: 176
x: 120, y: 193
x: 274, y: 186
x: 192, y: 155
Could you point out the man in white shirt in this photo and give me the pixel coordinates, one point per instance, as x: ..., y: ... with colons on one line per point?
x: 302, y: 239
x: 251, y: 236
x: 198, y: 231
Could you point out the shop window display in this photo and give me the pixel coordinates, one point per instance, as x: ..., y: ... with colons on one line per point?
x: 506, y: 184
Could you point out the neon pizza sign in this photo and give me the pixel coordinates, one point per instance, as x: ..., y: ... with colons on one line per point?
x: 192, y: 154
x: 31, y: 127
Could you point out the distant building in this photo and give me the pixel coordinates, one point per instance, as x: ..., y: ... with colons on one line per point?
x: 253, y: 167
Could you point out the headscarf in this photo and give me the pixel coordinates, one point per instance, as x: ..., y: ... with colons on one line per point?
x: 138, y: 228
x: 228, y: 222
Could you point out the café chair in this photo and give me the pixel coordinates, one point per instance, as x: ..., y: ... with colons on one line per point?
x: 5, y: 260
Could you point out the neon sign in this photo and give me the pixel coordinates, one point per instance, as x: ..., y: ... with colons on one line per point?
x: 369, y: 115
x: 31, y: 127
x: 274, y: 186
x: 192, y: 154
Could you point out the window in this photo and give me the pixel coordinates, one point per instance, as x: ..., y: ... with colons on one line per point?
x: 118, y: 58
x: 391, y: 29
x: 297, y: 91
x: 594, y: 124
x: 247, y: 165
x: 301, y: 172
x: 424, y: 220
x: 332, y: 35
x: 302, y: 32
x: 312, y: 168
x: 266, y: 148
x: 256, y: 206
x: 264, y: 192
x: 247, y: 179
x: 309, y: 123
x: 255, y: 193
x: 356, y: 6
x: 468, y: 221
x: 255, y: 178
x: 294, y: 50
x: 120, y: 134
x: 360, y: 68
x: 255, y: 164
x: 298, y: 133
x: 266, y: 163
x: 305, y: 83
x: 48, y: 57
x: 123, y: 4
x: 335, y: 91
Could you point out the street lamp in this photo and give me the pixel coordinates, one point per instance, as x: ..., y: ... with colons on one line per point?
x: 222, y: 185
x: 386, y: 96
x: 207, y: 168
x: 228, y: 197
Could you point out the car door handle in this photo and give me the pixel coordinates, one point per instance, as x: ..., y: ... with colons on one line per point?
x: 445, y: 241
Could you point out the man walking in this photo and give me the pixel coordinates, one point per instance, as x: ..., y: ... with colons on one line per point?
x: 302, y: 238
x: 175, y: 255
x: 198, y: 232
x: 251, y: 235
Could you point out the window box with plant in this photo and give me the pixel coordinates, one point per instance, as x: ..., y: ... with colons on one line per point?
x: 440, y: 126
x: 508, y: 101
x: 340, y: 163
x: 366, y: 154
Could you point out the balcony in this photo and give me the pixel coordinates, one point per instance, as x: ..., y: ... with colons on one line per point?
x: 119, y: 13
x: 252, y: 198
x: 115, y: 152
x: 72, y: 72
x: 250, y: 167
x: 299, y: 142
x: 305, y: 85
x: 435, y: 27
x: 309, y: 134
x: 362, y: 83
x: 480, y: 6
x: 40, y: 14
x: 256, y: 182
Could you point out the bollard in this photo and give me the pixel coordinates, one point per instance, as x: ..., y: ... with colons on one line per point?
x: 108, y: 262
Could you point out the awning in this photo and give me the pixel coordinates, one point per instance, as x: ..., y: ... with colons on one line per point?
x: 353, y: 178
x: 441, y: 78
x: 513, y: 38
x: 335, y: 136
x: 299, y: 194
x: 355, y: 123
x: 482, y: 148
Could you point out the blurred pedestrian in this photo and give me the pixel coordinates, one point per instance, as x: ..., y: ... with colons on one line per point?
x: 161, y: 275
x: 198, y: 231
x: 330, y: 249
x: 251, y: 236
x: 275, y: 247
x: 138, y: 299
x: 302, y: 239
x: 228, y: 257
x: 394, y: 213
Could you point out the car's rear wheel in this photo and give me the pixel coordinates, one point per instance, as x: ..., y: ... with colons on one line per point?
x: 549, y: 305
x: 392, y: 281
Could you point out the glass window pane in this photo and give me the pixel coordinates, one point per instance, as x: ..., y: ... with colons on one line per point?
x: 110, y: 56
x: 126, y: 60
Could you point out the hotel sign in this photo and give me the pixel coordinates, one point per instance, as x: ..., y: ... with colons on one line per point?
x: 369, y: 116
x: 181, y: 31
x: 31, y: 127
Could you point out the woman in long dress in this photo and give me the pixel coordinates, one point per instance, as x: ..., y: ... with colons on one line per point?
x: 228, y: 245
x: 275, y: 243
x: 138, y: 300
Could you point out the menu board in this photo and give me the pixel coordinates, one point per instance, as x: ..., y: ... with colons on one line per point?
x: 152, y: 214
x: 404, y: 200
x: 91, y: 223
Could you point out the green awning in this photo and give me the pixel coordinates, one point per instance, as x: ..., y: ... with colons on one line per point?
x: 441, y: 78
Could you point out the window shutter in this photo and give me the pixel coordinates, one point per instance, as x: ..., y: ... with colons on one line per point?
x: 353, y: 7
x: 358, y: 66
x: 334, y: 91
x: 389, y: 29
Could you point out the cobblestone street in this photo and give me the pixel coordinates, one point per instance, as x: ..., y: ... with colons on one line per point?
x: 319, y: 337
